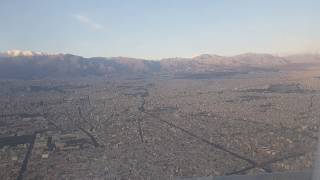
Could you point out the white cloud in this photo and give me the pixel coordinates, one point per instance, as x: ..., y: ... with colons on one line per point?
x: 87, y: 21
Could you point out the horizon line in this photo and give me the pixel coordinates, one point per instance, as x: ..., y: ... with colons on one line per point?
x: 44, y: 53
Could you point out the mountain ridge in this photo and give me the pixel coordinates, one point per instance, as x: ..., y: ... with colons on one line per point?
x: 17, y: 52
x: 34, y: 65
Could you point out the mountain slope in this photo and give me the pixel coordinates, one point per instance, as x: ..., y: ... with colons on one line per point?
x: 34, y: 65
x: 42, y: 66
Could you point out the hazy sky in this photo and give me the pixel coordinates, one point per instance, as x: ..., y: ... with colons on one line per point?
x: 160, y: 28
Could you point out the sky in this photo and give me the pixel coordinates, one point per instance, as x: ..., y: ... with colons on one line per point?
x: 155, y: 29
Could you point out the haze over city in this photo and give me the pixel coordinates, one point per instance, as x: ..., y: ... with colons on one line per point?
x: 159, y: 89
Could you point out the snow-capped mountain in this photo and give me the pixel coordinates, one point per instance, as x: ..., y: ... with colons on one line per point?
x: 16, y: 52
x: 32, y: 65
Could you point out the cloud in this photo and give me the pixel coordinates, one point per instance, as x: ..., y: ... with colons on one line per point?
x: 87, y: 21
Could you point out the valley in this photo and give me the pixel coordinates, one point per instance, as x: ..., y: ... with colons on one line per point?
x: 160, y: 126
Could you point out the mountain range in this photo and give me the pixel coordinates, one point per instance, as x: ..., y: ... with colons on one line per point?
x: 16, y: 64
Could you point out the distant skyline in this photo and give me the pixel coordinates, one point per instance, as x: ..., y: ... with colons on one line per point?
x: 153, y: 29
